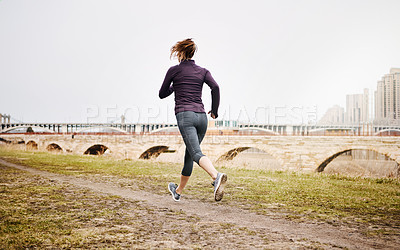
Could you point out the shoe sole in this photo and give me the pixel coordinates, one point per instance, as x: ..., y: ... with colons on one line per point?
x: 219, y: 191
x: 172, y: 193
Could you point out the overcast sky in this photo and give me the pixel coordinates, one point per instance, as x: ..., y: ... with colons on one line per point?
x: 275, y: 61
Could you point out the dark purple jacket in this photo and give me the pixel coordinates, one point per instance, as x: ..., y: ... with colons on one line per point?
x: 187, y: 82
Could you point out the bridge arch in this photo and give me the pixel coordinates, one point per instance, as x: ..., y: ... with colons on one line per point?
x: 155, y: 151
x: 166, y: 130
x: 24, y: 129
x: 322, y: 165
x: 270, y: 155
x: 54, y: 147
x: 5, y: 140
x: 388, y: 132
x: 97, y: 149
x: 31, y: 145
x: 97, y: 129
x: 232, y: 153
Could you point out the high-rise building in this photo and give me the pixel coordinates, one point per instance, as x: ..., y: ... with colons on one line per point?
x: 333, y: 116
x: 357, y: 108
x: 387, y: 98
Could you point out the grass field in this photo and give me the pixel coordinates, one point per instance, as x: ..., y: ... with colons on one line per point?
x: 39, y: 213
x: 35, y: 213
x: 373, y: 205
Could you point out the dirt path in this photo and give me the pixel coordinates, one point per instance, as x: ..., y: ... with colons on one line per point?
x: 267, y: 231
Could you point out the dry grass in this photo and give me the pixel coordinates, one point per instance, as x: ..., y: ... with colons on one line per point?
x: 368, y: 202
x: 39, y: 213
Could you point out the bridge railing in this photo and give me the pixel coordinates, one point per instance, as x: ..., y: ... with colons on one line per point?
x: 385, y: 134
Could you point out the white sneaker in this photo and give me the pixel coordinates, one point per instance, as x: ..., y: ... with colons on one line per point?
x: 219, y: 185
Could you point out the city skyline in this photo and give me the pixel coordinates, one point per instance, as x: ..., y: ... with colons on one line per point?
x: 381, y: 107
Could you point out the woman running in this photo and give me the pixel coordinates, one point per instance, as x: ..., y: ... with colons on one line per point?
x: 187, y: 80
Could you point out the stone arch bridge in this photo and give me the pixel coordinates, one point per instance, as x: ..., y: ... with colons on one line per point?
x: 309, y: 153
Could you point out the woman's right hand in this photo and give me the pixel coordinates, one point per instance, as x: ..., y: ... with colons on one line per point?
x: 212, y: 115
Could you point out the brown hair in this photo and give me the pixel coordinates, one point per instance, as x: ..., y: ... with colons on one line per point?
x: 184, y: 50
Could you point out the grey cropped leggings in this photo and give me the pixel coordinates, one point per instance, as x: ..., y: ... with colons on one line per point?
x: 193, y: 127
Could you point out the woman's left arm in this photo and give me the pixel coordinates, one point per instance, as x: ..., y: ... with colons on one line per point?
x: 166, y: 88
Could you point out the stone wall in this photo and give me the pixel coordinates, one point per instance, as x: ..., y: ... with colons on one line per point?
x: 305, y: 153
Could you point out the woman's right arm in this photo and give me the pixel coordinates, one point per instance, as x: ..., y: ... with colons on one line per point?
x: 209, y: 80
x: 166, y: 88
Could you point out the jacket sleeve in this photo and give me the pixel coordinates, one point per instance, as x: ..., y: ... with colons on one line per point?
x: 215, y: 97
x: 166, y: 88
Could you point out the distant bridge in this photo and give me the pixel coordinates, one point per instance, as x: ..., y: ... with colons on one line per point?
x: 309, y: 153
x: 223, y: 126
x: 85, y: 127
